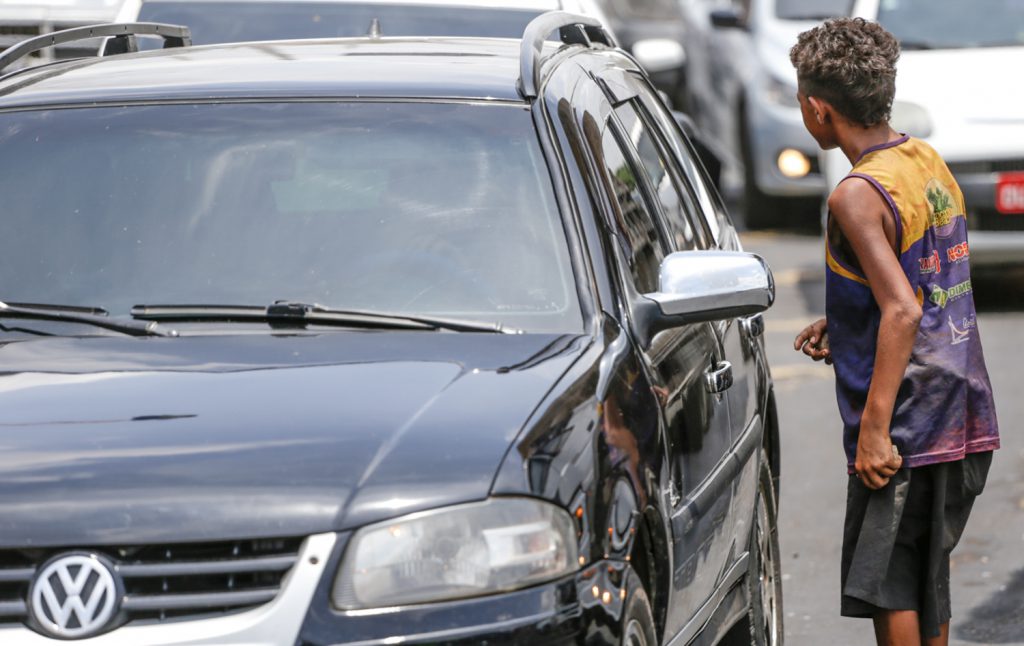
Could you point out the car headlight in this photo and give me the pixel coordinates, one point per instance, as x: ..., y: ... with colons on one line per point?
x: 910, y: 118
x: 780, y: 92
x: 454, y: 552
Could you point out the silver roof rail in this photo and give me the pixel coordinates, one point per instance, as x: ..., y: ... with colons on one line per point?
x: 121, y: 39
x: 573, y: 30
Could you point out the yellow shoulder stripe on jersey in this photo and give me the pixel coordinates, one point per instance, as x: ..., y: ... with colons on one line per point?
x: 834, y: 265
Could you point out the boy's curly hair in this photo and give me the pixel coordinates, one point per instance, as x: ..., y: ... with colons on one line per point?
x: 851, y: 63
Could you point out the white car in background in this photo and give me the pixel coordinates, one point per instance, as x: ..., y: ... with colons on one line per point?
x: 958, y: 87
x: 22, y: 19
x: 224, y: 21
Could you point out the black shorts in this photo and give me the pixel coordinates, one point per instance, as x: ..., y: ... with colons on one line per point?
x: 897, y: 540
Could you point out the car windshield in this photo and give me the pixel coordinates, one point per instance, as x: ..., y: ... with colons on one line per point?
x: 811, y: 9
x: 227, y: 22
x: 952, y: 24
x: 443, y: 209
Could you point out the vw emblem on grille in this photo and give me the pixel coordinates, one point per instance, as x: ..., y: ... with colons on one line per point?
x: 74, y: 595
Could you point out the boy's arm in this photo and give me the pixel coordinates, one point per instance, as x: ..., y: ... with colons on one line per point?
x: 869, y: 226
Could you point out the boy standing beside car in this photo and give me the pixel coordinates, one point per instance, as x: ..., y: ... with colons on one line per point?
x: 901, y: 331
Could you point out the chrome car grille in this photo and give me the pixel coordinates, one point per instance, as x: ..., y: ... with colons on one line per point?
x: 164, y: 582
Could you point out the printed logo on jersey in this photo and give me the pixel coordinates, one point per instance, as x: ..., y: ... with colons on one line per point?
x: 962, y: 332
x: 959, y: 252
x: 931, y: 264
x: 942, y: 297
x: 940, y: 208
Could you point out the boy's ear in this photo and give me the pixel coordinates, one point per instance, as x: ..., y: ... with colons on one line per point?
x: 822, y: 109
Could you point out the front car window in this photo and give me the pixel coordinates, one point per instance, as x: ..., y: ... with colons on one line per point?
x: 228, y: 22
x: 422, y: 208
x: 812, y: 9
x: 676, y: 209
x: 713, y: 213
x: 634, y: 223
x: 953, y: 24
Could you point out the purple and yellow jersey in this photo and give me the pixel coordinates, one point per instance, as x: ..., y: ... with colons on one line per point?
x: 944, y: 408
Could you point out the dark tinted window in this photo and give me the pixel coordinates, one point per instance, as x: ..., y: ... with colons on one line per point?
x: 676, y: 207
x: 445, y: 209
x: 812, y: 9
x: 634, y: 223
x: 226, y: 22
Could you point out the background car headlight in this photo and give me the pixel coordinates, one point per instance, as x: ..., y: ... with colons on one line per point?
x: 793, y: 163
x: 461, y: 551
x: 910, y: 118
x: 780, y: 92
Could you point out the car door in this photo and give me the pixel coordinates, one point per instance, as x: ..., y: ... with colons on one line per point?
x: 682, y: 364
x: 740, y: 338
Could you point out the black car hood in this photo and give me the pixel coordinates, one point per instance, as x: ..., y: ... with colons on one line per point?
x: 115, y: 440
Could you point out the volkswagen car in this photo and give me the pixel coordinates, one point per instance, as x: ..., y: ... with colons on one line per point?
x: 373, y: 341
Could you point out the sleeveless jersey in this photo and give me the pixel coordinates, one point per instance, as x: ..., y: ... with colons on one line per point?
x: 944, y: 408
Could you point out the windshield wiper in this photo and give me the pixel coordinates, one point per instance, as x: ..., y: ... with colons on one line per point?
x: 95, y: 316
x: 291, y: 314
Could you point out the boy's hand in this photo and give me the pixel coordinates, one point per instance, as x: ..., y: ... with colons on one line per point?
x: 878, y: 459
x: 813, y: 341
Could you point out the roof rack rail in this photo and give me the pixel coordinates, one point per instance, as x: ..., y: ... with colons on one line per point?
x: 573, y: 30
x: 121, y: 39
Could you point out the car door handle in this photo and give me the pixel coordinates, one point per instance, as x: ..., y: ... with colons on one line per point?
x: 719, y: 378
x: 753, y: 326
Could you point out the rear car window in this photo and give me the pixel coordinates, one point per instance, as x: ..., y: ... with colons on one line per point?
x: 441, y: 209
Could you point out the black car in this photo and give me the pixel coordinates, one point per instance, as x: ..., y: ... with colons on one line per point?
x: 371, y: 341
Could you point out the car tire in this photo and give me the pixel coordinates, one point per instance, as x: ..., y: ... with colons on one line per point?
x: 637, y: 618
x: 764, y: 580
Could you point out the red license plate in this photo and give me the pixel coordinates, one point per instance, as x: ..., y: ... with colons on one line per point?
x: 1010, y: 193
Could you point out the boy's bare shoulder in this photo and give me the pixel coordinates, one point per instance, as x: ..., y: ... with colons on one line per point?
x: 855, y: 199
x: 852, y: 196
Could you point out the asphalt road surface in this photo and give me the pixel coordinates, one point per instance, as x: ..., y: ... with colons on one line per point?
x: 988, y: 566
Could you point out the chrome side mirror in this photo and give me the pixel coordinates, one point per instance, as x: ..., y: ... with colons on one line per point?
x: 698, y: 286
